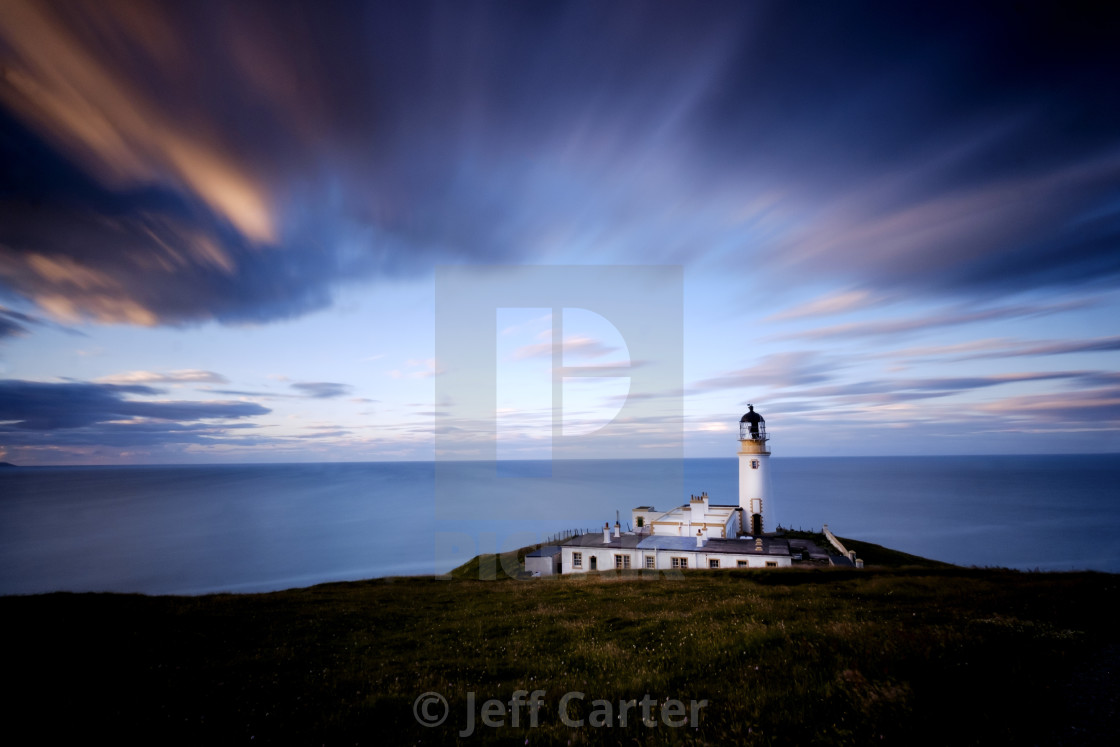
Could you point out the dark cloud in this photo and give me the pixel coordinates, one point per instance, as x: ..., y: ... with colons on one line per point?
x: 174, y: 162
x: 321, y: 389
x: 305, y: 389
x: 39, y: 406
x: 948, y: 146
x: 332, y: 433
x: 13, y: 323
x: 130, y: 435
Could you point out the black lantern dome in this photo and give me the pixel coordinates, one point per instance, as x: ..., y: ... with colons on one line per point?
x: 752, y: 426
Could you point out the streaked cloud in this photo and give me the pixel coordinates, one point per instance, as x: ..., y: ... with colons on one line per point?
x: 1001, y: 347
x: 777, y: 370
x: 14, y: 323
x: 1100, y: 408
x: 945, y: 318
x: 1048, y: 347
x: 1012, y: 234
x: 44, y: 406
x: 828, y: 305
x: 321, y: 389
x: 843, y: 177
x: 573, y: 346
x: 190, y: 376
x: 418, y: 369
x: 61, y: 80
x: 905, y: 389
x: 151, y: 185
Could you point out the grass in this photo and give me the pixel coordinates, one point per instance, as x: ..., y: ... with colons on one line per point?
x: 877, y: 555
x: 799, y: 657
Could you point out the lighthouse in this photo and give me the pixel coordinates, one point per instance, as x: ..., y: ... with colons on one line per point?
x: 700, y: 533
x: 754, y: 471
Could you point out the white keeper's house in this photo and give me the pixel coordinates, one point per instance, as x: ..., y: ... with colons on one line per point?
x: 698, y: 534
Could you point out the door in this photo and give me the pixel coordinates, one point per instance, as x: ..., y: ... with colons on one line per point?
x: 594, y: 563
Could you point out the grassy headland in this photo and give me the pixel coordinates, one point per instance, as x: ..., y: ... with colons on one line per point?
x: 920, y: 655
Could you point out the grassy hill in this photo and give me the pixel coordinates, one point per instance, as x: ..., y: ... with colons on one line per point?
x: 877, y: 555
x: 783, y: 657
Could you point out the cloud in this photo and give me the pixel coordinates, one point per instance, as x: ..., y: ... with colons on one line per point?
x: 16, y: 324
x: 778, y: 370
x: 894, y: 148
x: 61, y: 82
x: 912, y: 401
x: 1015, y: 234
x: 145, y: 184
x: 833, y: 303
x: 1050, y: 347
x: 321, y: 389
x: 971, y: 412
x: 929, y: 154
x: 325, y: 431
x: 575, y: 346
x: 187, y: 376
x: 41, y: 406
x: 13, y: 323
x: 948, y: 318
x: 304, y: 389
x: 1099, y: 407
x: 422, y: 369
x: 251, y: 393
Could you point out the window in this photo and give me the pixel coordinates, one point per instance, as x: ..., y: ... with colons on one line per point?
x: 621, y: 561
x: 742, y: 564
x: 754, y: 464
x: 649, y: 561
x: 771, y: 564
x: 713, y: 563
x: 680, y: 562
x: 577, y: 560
x: 641, y: 521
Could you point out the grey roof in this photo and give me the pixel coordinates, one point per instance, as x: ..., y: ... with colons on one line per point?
x: 544, y: 552
x: 595, y: 539
x: 741, y: 547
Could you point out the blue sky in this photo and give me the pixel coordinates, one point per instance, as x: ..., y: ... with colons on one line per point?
x: 220, y: 223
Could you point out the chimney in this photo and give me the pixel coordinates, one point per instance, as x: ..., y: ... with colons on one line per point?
x: 617, y: 529
x: 699, y: 538
x: 606, y: 533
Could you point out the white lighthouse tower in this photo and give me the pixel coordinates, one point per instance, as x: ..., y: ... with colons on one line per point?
x: 754, y: 472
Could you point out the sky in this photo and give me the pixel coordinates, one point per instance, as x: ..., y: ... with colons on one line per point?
x: 896, y: 226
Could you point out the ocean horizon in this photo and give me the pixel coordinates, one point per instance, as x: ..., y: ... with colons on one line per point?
x: 192, y: 529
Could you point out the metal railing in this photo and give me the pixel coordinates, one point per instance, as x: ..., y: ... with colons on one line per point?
x: 746, y: 433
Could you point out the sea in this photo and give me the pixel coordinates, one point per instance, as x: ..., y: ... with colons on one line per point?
x: 265, y: 527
